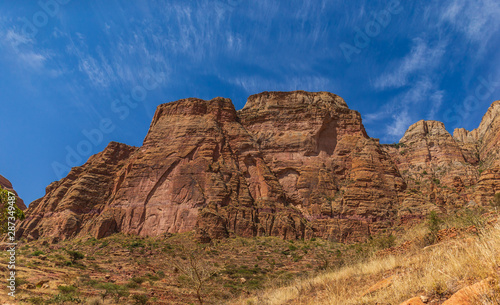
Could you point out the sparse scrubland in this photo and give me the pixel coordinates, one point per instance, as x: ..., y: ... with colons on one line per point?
x: 435, y: 259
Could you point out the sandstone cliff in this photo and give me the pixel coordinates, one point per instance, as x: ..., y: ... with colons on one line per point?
x: 485, y: 142
x: 329, y: 168
x: 289, y: 164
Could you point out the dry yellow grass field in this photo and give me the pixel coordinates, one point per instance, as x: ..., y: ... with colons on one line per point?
x: 434, y: 272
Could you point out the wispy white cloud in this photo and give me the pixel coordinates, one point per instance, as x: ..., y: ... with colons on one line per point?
x: 421, y: 99
x: 21, y: 49
x: 253, y: 84
x: 478, y: 20
x: 421, y: 58
x: 435, y: 100
x: 123, y: 61
x: 87, y: 64
x: 15, y: 39
x: 399, y: 124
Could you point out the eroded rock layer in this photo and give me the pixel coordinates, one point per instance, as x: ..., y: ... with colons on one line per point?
x: 339, y: 178
x: 289, y: 164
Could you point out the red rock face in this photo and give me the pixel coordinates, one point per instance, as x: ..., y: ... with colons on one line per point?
x: 5, y: 183
x: 198, y: 169
x: 487, y: 139
x: 435, y: 167
x: 329, y: 168
x: 289, y: 164
x: 72, y: 203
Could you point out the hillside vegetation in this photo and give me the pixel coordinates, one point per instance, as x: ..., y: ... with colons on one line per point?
x: 433, y: 262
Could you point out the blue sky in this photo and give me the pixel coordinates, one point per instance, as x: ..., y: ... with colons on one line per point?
x: 79, y: 74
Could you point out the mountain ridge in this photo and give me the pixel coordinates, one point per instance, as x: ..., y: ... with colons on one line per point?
x: 291, y: 164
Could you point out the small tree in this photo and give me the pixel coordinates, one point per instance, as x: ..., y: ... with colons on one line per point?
x: 434, y: 225
x: 114, y: 290
x: 196, y: 270
x: 75, y: 256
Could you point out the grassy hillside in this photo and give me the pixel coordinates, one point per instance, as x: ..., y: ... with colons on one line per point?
x: 433, y: 259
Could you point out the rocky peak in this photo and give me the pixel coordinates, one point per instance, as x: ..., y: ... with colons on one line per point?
x: 277, y: 99
x: 318, y: 149
x: 485, y: 129
x: 309, y: 123
x: 489, y: 121
x: 422, y: 129
x: 218, y: 109
x: 464, y: 136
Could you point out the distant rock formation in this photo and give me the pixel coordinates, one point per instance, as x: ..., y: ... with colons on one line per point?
x: 289, y: 164
x: 5, y: 183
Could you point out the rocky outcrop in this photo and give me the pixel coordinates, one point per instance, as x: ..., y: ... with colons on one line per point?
x: 443, y: 171
x: 478, y: 293
x: 487, y: 137
x: 198, y: 169
x: 328, y: 166
x: 5, y: 183
x: 437, y: 170
x: 71, y: 203
x: 289, y: 164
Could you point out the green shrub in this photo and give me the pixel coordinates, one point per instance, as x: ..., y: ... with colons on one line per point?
x: 132, y: 285
x: 67, y: 289
x: 384, y: 242
x: 7, y: 210
x: 36, y: 300
x: 153, y: 277
x: 160, y: 273
x: 136, y: 244
x: 138, y: 280
x: 434, y: 223
x: 114, y: 290
x: 64, y: 299
x: 467, y: 218
x: 140, y: 299
x: 496, y: 200
x: 37, y: 253
x: 75, y: 256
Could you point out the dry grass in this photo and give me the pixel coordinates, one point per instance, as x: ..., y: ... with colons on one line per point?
x: 435, y: 271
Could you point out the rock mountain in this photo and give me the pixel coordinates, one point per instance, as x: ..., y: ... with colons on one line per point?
x: 289, y: 164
